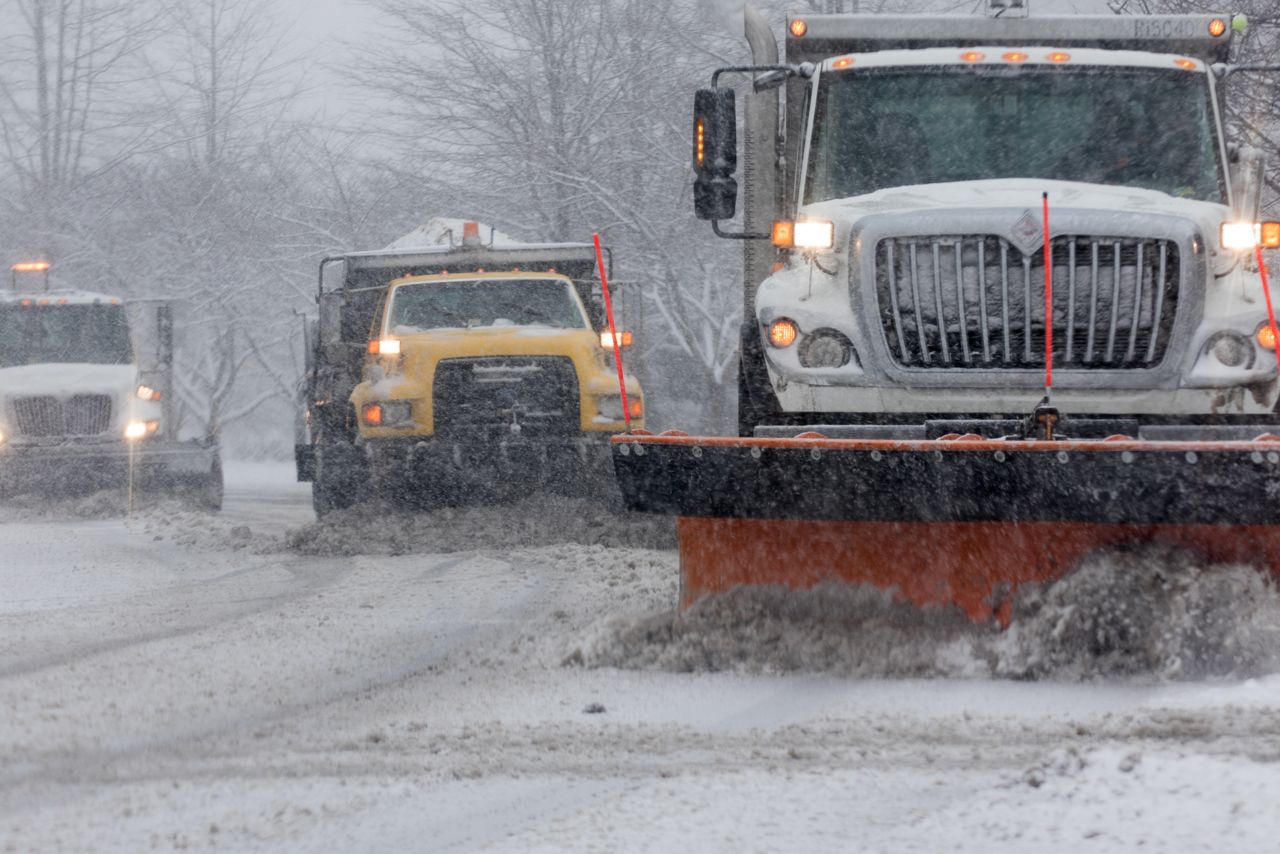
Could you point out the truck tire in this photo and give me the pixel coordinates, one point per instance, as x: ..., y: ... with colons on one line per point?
x: 756, y: 400
x: 206, y: 491
x: 341, y: 478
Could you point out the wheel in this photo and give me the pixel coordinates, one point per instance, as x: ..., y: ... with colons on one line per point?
x: 206, y: 490
x: 341, y: 477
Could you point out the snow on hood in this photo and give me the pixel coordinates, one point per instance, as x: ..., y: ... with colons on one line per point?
x: 436, y: 232
x: 1011, y: 192
x: 65, y: 380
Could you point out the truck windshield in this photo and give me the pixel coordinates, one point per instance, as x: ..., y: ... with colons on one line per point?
x: 1130, y: 127
x: 83, y: 334
x: 419, y: 306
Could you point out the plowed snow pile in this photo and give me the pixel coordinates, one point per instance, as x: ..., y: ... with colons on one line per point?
x: 541, y: 520
x: 1145, y: 612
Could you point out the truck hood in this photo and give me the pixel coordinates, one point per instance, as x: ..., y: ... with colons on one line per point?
x: 66, y: 380
x: 1014, y: 193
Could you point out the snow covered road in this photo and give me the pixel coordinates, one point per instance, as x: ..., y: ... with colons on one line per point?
x: 174, y: 681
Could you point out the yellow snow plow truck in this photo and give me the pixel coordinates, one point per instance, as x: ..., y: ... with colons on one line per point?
x: 459, y: 366
x: 1004, y: 304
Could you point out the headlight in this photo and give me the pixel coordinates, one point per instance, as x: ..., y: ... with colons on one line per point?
x: 146, y: 392
x: 135, y: 430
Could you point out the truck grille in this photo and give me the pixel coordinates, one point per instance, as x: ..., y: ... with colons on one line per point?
x: 45, y: 415
x: 977, y: 301
x: 476, y: 396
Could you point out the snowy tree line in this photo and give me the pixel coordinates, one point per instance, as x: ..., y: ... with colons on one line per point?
x: 166, y: 148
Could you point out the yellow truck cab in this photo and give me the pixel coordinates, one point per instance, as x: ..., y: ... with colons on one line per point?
x: 486, y: 371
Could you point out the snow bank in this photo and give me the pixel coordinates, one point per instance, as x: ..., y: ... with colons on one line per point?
x: 1152, y: 610
x: 1139, y: 613
x: 541, y: 520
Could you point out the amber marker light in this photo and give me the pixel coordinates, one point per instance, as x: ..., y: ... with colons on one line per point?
x: 1186, y: 64
x: 700, y: 142
x: 1269, y: 235
x: 1016, y: 56
x: 1059, y: 56
x: 636, y: 407
x: 1266, y: 337
x: 606, y: 339
x: 783, y: 333
x: 372, y: 413
x: 973, y: 56
x: 842, y: 62
x: 799, y: 28
x: 1217, y: 28
x: 784, y: 233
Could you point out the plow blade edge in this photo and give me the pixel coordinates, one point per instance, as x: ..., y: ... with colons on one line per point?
x: 961, y: 522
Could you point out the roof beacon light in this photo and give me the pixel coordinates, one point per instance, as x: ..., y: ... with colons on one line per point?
x: 798, y: 28
x: 470, y: 233
x: 1217, y: 28
x: 31, y: 267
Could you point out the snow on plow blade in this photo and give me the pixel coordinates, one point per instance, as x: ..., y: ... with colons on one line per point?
x: 949, y: 521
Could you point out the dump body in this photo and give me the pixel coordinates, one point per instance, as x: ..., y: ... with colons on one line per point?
x: 973, y: 218
x: 81, y: 404
x: 498, y: 383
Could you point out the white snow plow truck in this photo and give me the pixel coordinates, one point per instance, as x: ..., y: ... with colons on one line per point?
x: 1004, y: 305
x: 85, y: 395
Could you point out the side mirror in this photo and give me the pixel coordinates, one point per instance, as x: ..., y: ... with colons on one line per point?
x: 715, y: 153
x: 1246, y: 183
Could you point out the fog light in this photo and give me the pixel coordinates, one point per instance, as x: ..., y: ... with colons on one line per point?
x: 825, y: 348
x: 1231, y: 350
x: 396, y: 412
x: 610, y: 407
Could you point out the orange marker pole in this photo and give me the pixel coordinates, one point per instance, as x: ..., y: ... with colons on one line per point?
x: 613, y: 330
x: 1048, y: 303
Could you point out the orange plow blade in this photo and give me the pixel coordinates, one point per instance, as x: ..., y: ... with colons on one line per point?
x: 976, y: 566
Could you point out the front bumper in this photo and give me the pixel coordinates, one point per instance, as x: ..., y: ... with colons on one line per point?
x: 23, y: 462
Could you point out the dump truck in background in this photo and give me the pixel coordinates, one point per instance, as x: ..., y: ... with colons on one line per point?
x: 86, y: 392
x: 1003, y: 306
x: 459, y: 366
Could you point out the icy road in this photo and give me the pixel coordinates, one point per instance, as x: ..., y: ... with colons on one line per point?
x: 176, y: 681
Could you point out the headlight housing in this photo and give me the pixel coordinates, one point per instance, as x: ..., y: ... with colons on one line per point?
x: 388, y: 413
x: 824, y: 348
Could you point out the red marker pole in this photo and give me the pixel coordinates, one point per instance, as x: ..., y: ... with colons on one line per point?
x: 613, y: 330
x: 1048, y: 302
x: 1266, y: 292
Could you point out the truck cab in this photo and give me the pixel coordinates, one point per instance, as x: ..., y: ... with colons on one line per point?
x: 79, y: 408
x: 930, y: 166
